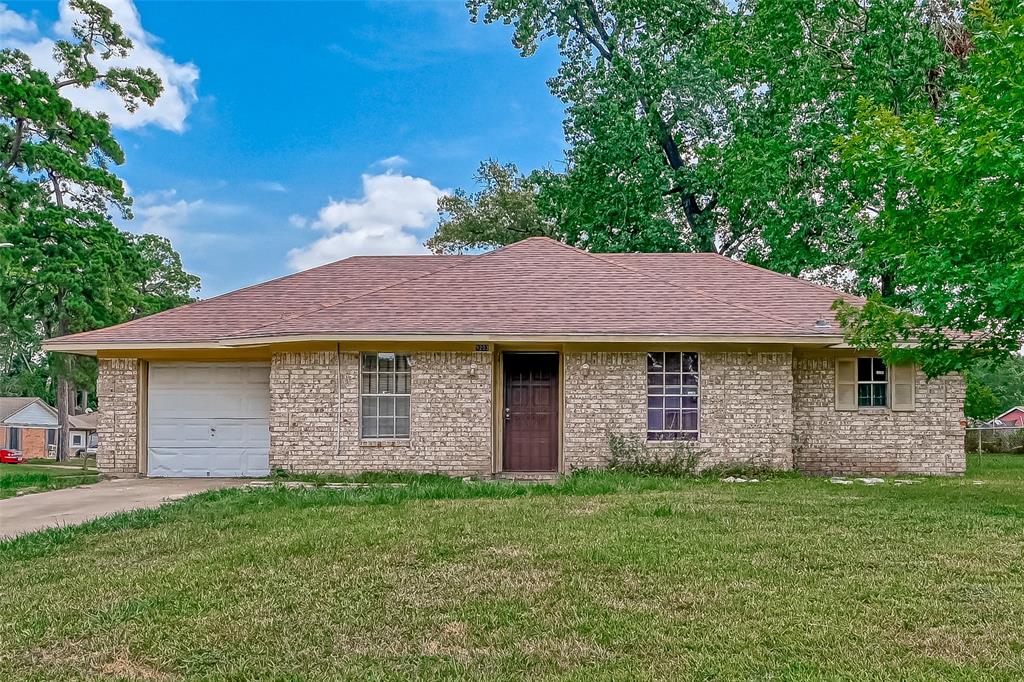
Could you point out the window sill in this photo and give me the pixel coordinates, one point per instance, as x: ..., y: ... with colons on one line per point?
x: 873, y: 410
x: 384, y: 442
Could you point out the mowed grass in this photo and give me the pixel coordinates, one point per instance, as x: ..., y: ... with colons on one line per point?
x: 600, y: 577
x: 15, y: 478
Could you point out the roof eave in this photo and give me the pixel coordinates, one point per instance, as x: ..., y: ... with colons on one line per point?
x: 486, y: 337
x: 94, y: 347
x: 87, y: 348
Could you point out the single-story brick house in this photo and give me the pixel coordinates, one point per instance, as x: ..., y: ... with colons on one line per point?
x: 28, y: 425
x: 523, y: 359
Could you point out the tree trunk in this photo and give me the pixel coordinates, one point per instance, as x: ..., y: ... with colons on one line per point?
x: 65, y: 389
x: 64, y: 397
x: 888, y: 285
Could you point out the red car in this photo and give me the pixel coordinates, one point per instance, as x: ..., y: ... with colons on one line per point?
x: 11, y: 457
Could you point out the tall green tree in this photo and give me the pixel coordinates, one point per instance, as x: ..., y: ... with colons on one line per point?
x: 69, y: 268
x: 636, y: 80
x: 947, y: 209
x: 697, y: 125
x: 503, y: 211
x: 164, y: 283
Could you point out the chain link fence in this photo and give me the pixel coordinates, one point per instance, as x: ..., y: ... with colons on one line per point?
x: 987, y: 438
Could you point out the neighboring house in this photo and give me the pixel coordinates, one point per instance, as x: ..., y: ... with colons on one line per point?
x: 28, y: 425
x: 1012, y: 417
x: 82, y: 432
x: 523, y: 359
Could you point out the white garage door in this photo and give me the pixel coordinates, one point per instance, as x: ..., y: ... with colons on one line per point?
x: 209, y: 419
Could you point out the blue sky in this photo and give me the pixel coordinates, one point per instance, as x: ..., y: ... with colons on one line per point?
x: 295, y: 133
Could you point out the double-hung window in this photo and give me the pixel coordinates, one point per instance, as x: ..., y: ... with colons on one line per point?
x: 872, y: 382
x: 385, y: 394
x: 672, y: 396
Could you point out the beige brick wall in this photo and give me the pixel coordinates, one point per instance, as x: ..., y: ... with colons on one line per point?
x: 117, y: 389
x: 605, y: 393
x: 746, y: 400
x: 304, y: 433
x: 928, y: 440
x: 450, y: 430
x: 746, y: 408
x: 774, y: 409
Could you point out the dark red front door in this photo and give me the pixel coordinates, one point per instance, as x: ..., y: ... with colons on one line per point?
x: 530, y: 432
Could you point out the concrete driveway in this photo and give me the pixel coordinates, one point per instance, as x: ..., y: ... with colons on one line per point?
x: 71, y: 506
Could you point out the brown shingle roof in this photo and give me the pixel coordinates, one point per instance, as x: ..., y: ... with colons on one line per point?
x: 533, y: 287
x: 88, y: 421
x: 260, y: 304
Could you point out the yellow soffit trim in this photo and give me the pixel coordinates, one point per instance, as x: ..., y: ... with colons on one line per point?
x: 250, y: 342
x: 93, y: 348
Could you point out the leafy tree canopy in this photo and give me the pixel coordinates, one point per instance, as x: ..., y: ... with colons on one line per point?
x: 947, y: 209
x: 503, y: 211
x: 69, y: 268
x: 697, y: 125
x: 994, y: 387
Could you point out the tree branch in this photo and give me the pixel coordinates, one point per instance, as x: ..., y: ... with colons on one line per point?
x: 581, y: 29
x: 58, y: 196
x: 75, y: 81
x: 599, y: 24
x: 19, y: 135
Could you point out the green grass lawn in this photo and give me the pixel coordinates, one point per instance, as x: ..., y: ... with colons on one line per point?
x: 600, y: 577
x: 33, y: 477
x: 90, y: 462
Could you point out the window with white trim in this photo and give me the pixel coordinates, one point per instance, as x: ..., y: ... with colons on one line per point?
x: 385, y: 395
x: 673, y: 396
x: 872, y: 382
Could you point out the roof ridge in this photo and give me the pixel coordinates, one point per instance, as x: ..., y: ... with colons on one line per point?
x: 465, y: 260
x: 556, y: 242
x: 257, y: 285
x: 29, y: 400
x: 1015, y: 407
x: 800, y: 280
x: 332, y: 304
x: 686, y: 287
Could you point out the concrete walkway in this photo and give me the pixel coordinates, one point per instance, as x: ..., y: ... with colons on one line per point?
x: 71, y: 506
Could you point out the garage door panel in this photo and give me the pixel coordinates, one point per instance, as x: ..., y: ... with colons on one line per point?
x: 212, y: 402
x: 209, y: 419
x: 209, y: 392
x: 174, y: 433
x: 168, y: 432
x: 208, y: 462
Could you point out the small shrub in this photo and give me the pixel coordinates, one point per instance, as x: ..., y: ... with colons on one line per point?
x: 632, y: 455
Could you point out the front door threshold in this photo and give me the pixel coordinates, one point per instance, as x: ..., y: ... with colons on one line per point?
x: 528, y: 476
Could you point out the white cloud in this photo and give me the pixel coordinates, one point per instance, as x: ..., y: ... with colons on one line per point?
x: 171, y: 108
x: 379, y: 223
x: 12, y: 23
x: 271, y: 186
x: 393, y: 162
x: 155, y: 196
x: 298, y: 221
x: 178, y: 220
